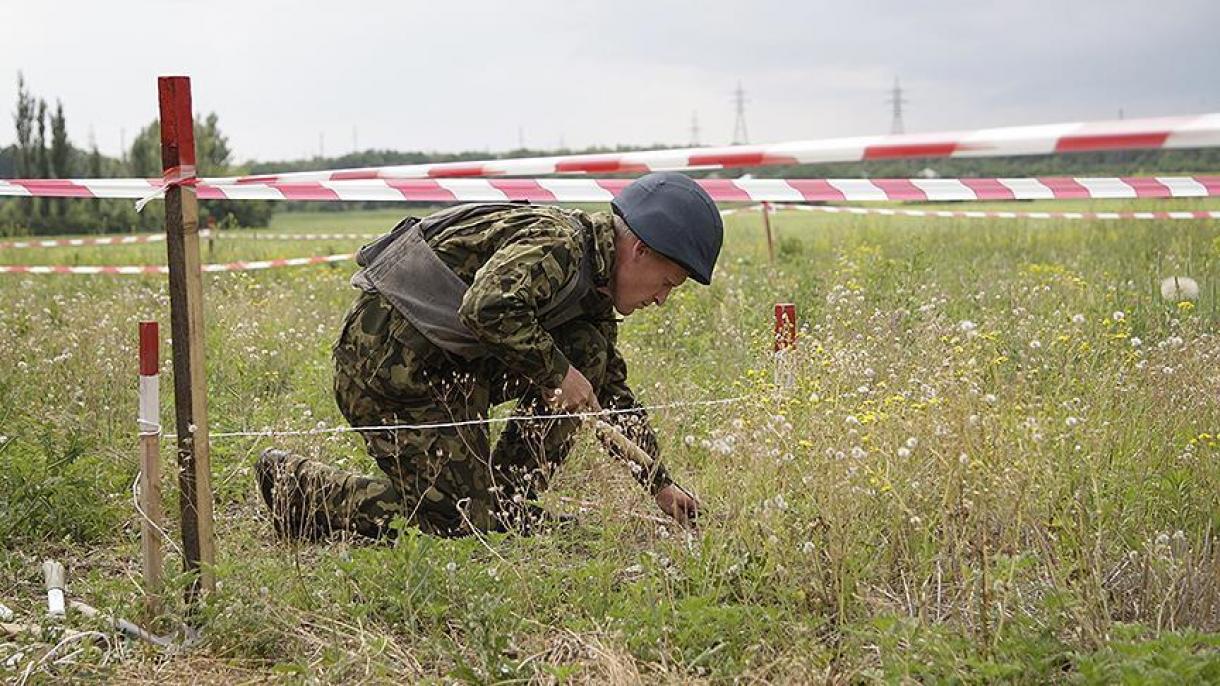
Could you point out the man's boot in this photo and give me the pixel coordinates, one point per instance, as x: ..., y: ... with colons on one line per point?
x: 294, y: 490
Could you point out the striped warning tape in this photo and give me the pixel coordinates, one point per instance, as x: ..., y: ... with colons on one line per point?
x: 162, y: 269
x: 604, y: 190
x: 1125, y: 134
x: 1000, y: 214
x: 160, y: 237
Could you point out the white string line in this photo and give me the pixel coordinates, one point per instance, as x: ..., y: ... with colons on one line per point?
x: 470, y: 422
x: 135, y: 500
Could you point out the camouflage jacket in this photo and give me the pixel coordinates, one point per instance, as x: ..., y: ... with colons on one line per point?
x: 515, y: 261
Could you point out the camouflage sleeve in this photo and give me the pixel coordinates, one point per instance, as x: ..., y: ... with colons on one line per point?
x: 615, y: 394
x: 501, y: 306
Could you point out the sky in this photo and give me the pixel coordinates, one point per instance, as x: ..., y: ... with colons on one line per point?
x: 295, y: 79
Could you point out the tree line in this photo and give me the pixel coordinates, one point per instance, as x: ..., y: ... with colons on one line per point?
x: 44, y: 151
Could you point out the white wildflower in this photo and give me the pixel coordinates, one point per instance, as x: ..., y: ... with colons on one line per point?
x: 1078, y: 319
x: 904, y: 453
x: 1118, y: 316
x: 912, y: 442
x: 990, y: 399
x: 966, y: 326
x: 1071, y: 421
x: 689, y: 440
x: 859, y: 453
x: 1179, y: 288
x: 1035, y: 344
x: 1136, y: 341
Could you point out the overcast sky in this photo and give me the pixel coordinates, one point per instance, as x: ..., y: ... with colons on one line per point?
x: 287, y: 78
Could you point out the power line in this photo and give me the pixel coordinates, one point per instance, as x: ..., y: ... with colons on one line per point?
x: 740, y: 136
x: 896, y: 99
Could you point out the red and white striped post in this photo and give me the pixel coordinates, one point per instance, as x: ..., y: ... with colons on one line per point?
x: 785, y: 345
x: 150, y: 459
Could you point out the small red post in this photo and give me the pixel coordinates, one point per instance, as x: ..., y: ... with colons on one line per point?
x: 153, y: 519
x: 785, y: 326
x: 785, y: 345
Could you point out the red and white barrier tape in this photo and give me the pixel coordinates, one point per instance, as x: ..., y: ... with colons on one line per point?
x: 298, y: 236
x: 182, y: 175
x: 162, y: 269
x: 1000, y: 214
x: 160, y: 237
x: 603, y: 190
x: 1125, y: 134
x: 86, y: 242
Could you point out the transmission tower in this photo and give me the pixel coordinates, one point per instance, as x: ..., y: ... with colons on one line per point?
x: 694, y: 129
x: 739, y: 126
x: 897, y: 101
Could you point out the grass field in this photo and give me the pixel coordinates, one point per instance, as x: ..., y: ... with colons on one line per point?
x: 999, y: 462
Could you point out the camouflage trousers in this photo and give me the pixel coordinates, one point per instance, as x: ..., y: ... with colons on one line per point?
x: 445, y: 480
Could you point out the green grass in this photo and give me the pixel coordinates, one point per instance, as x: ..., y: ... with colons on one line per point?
x: 1053, y: 519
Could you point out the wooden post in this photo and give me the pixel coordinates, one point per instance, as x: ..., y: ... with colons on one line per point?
x: 785, y: 345
x: 186, y: 329
x: 766, y: 216
x: 153, y: 520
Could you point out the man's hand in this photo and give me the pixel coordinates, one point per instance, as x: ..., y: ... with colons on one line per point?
x: 678, y: 504
x: 575, y: 393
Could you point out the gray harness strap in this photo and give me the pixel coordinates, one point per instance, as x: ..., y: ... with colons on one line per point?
x: 404, y: 269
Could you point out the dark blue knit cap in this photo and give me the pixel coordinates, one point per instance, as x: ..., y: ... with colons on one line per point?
x: 676, y: 218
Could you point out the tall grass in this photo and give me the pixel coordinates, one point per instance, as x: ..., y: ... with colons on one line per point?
x: 998, y: 462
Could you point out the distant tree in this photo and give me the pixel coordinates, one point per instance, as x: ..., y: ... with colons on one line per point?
x: 212, y: 158
x: 25, y: 157
x: 212, y: 153
x: 60, y: 156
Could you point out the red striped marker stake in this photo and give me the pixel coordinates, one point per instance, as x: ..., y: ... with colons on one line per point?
x: 150, y: 460
x: 785, y: 345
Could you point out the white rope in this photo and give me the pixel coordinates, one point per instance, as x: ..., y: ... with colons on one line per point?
x: 135, y: 500
x: 468, y: 422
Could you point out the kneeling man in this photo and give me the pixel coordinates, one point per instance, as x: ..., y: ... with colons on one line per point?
x: 471, y: 307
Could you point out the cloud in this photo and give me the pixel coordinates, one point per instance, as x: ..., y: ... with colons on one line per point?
x: 456, y: 76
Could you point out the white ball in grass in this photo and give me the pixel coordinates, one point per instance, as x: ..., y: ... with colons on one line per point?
x: 1179, y: 288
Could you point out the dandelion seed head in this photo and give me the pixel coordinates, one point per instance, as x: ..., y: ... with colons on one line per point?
x: 1179, y: 288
